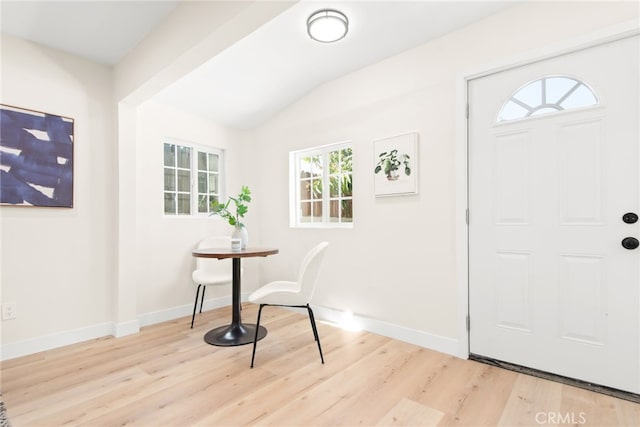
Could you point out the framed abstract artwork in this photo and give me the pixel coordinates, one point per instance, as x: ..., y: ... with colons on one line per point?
x: 396, y: 165
x: 36, y: 158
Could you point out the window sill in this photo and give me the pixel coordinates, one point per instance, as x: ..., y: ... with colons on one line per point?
x: 347, y: 226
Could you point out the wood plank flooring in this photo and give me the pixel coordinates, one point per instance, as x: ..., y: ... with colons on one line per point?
x: 167, y: 376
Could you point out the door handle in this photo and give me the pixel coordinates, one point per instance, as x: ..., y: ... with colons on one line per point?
x: 630, y: 243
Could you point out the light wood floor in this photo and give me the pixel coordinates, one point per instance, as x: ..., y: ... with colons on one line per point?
x: 167, y: 376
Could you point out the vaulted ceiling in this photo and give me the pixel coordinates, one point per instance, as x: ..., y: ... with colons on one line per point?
x: 261, y: 74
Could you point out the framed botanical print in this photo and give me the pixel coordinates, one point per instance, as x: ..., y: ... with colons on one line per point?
x: 396, y: 165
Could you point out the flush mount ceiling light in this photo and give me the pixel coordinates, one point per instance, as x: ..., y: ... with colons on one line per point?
x: 327, y: 25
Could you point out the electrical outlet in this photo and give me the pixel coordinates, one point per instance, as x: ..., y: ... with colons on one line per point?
x: 9, y: 311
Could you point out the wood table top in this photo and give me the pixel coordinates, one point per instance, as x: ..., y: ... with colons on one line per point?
x: 222, y: 253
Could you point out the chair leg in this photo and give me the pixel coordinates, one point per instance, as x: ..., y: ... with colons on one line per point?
x: 204, y: 288
x: 195, y: 305
x: 312, y: 319
x: 255, y: 338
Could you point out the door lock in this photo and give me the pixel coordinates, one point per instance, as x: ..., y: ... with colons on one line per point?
x: 630, y: 243
x: 630, y: 218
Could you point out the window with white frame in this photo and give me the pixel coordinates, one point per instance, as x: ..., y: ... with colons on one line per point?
x: 322, y: 186
x: 550, y: 94
x: 192, y: 178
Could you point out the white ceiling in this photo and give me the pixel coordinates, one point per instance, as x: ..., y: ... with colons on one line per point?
x: 102, y: 31
x: 261, y: 74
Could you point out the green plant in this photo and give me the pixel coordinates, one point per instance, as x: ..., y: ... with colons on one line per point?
x: 240, y: 201
x: 390, y: 162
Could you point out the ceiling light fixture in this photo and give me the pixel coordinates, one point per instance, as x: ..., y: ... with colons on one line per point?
x: 327, y: 25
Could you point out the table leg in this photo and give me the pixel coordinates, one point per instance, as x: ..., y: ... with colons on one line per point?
x: 236, y: 333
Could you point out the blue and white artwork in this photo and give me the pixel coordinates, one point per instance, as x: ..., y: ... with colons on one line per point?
x: 36, y: 158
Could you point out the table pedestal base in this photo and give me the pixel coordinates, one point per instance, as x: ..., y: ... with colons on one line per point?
x: 234, y: 334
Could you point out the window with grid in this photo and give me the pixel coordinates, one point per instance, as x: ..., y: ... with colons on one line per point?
x: 322, y: 186
x: 192, y: 178
x: 548, y: 95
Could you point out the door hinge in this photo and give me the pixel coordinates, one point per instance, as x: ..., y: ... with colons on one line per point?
x: 467, y: 111
x: 468, y: 323
x: 466, y: 214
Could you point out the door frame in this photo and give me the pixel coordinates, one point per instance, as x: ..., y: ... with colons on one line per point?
x: 607, y: 35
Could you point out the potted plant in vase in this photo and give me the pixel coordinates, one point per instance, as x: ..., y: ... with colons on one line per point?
x: 222, y: 210
x: 390, y: 163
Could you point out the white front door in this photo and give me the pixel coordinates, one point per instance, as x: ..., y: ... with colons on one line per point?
x: 553, y: 168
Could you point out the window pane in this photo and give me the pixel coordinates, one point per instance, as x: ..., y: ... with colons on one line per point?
x: 184, y: 204
x: 305, y: 167
x: 347, y: 210
x: 213, y: 183
x: 202, y: 161
x: 512, y: 111
x: 334, y: 211
x: 203, y: 206
x: 334, y: 186
x: 557, y: 87
x: 341, y: 211
x: 334, y: 161
x: 317, y: 211
x: 305, y: 212
x: 169, y: 203
x: 316, y: 189
x: 184, y: 181
x: 581, y: 97
x: 305, y: 189
x: 531, y: 94
x: 316, y: 165
x: 214, y: 163
x: 346, y: 185
x: 169, y: 155
x: 202, y: 182
x: 169, y: 179
x: 346, y: 156
x: 184, y: 157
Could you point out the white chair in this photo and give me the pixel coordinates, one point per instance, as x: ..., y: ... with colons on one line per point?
x: 293, y: 294
x: 211, y: 271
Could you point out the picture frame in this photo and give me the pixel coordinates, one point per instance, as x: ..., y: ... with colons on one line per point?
x: 396, y: 165
x: 36, y: 158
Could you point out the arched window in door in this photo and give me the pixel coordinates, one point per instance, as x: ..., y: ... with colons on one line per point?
x: 549, y: 94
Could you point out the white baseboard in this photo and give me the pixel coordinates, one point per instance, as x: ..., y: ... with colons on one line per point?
x: 23, y: 348
x: 55, y: 340
x: 126, y: 328
x: 64, y: 338
x: 423, y: 339
x: 160, y: 316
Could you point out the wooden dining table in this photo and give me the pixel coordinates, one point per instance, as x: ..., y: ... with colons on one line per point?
x: 235, y: 333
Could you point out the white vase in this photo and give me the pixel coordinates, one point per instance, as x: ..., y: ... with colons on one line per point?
x: 240, y: 232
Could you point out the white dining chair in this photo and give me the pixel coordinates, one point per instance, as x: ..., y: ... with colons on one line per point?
x: 211, y: 271
x: 293, y: 294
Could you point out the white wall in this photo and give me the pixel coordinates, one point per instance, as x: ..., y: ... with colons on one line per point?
x: 58, y: 263
x: 397, y: 265
x: 165, y: 242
